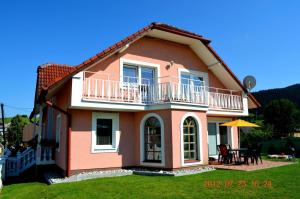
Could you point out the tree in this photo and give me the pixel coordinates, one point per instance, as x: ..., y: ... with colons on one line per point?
x: 283, y: 115
x: 15, y: 130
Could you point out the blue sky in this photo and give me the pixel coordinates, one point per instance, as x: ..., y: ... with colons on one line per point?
x: 260, y: 38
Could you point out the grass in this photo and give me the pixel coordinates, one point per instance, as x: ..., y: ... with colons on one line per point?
x: 281, y: 182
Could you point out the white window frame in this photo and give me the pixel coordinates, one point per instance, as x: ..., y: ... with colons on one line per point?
x: 199, y: 137
x: 139, y: 65
x: 142, y: 144
x: 138, y: 72
x: 115, y: 132
x: 195, y: 73
x: 58, y: 131
x: 218, y: 122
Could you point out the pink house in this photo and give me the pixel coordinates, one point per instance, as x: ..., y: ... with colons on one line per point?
x: 155, y: 99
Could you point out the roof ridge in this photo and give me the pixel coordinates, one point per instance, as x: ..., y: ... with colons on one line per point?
x: 175, y: 27
x: 54, y: 64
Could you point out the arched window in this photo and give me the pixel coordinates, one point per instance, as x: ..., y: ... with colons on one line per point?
x: 152, y: 140
x: 190, y: 139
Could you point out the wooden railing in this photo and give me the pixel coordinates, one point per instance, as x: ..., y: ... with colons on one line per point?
x: 16, y: 165
x: 170, y: 91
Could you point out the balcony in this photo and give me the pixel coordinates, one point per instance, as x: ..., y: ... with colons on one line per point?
x: 107, y: 88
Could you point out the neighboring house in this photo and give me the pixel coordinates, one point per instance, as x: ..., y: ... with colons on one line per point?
x: 296, y: 133
x: 5, y: 127
x: 29, y: 132
x: 155, y: 99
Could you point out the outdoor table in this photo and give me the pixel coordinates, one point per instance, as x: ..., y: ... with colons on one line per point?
x: 238, y: 152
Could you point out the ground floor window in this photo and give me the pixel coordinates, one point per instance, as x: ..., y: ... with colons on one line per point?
x: 152, y: 140
x: 58, y: 131
x: 190, y: 140
x: 105, y: 132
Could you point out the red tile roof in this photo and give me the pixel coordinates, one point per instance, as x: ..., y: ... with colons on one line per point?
x: 49, y: 74
x: 127, y: 40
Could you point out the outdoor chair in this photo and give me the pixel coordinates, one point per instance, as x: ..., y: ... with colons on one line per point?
x: 257, y: 153
x: 248, y: 154
x: 219, y: 153
x: 224, y: 154
x: 232, y: 154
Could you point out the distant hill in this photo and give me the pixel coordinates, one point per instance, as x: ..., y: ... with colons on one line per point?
x: 291, y: 92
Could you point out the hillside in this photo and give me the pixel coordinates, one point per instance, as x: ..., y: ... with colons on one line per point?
x: 291, y: 92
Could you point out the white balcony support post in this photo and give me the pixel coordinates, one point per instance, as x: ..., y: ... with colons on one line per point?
x: 89, y: 87
x: 108, y: 90
x: 122, y: 91
x: 102, y: 88
x: 96, y: 88
x: 116, y: 91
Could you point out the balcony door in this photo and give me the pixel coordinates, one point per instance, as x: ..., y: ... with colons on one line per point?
x: 147, y: 83
x: 191, y: 87
x: 141, y: 78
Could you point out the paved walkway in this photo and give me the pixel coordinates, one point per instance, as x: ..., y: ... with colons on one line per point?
x: 252, y: 167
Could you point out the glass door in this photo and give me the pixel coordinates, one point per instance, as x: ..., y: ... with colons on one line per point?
x: 191, y: 87
x: 212, y: 139
x: 223, y: 135
x: 147, y: 84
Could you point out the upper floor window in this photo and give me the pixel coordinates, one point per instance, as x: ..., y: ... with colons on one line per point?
x: 191, y: 79
x: 130, y: 74
x: 147, y: 75
x: 136, y: 72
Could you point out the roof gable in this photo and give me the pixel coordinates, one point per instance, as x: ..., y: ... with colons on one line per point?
x: 163, y: 31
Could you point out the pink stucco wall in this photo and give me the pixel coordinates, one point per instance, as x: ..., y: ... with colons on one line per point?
x: 150, y: 50
x: 177, y: 117
x: 166, y: 117
x: 129, y: 149
x: 62, y: 100
x: 146, y: 50
x: 81, y: 143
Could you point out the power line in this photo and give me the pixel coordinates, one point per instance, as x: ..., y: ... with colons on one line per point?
x: 15, y: 107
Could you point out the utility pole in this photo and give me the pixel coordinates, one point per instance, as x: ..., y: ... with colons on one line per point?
x: 3, y: 125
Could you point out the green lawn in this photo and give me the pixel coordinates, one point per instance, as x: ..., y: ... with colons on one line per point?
x: 280, y: 182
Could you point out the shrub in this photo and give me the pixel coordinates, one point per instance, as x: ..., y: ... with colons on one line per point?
x: 255, y: 135
x: 273, y: 150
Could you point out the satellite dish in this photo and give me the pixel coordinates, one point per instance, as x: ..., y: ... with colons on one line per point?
x: 249, y: 82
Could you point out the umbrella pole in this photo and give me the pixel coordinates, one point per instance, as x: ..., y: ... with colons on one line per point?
x: 239, y: 137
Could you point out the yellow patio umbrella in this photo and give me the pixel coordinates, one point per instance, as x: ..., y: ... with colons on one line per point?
x: 240, y: 123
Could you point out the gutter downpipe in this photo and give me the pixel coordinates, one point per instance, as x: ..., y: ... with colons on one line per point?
x: 69, y: 122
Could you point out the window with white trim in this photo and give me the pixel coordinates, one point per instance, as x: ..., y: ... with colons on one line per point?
x: 138, y: 74
x: 130, y: 74
x: 191, y: 79
x: 152, y: 140
x: 58, y: 131
x: 105, y: 132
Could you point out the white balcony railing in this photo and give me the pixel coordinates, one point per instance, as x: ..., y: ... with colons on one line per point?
x: 21, y: 162
x: 45, y: 155
x: 111, y: 90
